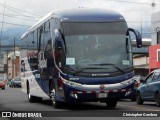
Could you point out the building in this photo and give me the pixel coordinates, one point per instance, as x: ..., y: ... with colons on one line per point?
x: 7, y: 52
x: 141, y: 57
x: 155, y: 28
x: 154, y: 49
x: 13, y: 65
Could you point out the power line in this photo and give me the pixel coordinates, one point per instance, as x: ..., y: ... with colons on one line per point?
x: 20, y: 10
x: 25, y: 11
x: 130, y: 2
x: 17, y: 17
x: 17, y: 12
x: 21, y: 15
x: 2, y: 25
x: 135, y: 10
x: 14, y: 24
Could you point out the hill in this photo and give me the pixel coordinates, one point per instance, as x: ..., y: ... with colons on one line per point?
x: 8, y: 35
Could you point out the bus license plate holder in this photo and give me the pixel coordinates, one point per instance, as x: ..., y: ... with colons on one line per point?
x: 102, y: 95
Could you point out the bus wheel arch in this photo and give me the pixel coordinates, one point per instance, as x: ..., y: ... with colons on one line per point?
x: 53, y: 94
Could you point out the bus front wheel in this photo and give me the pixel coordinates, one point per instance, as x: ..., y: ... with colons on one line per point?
x: 111, y: 103
x: 55, y: 102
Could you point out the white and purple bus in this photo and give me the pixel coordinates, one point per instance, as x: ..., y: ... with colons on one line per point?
x: 78, y: 55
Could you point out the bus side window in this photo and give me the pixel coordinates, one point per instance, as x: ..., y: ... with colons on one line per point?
x: 48, y: 54
x: 40, y: 39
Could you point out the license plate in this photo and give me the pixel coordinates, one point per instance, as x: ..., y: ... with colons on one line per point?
x: 102, y: 95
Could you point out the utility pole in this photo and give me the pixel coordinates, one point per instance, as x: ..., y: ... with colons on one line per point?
x: 2, y: 27
x: 14, y: 45
x: 14, y: 61
x: 7, y: 65
x: 141, y: 25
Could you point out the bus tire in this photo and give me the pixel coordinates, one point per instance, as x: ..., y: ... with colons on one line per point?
x: 55, y: 102
x: 111, y: 103
x: 31, y: 98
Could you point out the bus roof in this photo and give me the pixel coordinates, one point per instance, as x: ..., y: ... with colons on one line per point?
x: 88, y: 15
x: 80, y: 15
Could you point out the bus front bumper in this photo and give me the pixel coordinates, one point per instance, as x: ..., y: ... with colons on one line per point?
x: 93, y: 93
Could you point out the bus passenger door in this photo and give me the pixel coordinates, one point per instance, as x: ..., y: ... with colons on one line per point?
x: 45, y: 56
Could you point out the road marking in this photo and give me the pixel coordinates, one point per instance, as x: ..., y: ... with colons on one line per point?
x: 135, y: 107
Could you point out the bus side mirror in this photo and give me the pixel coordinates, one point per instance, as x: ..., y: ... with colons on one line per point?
x: 22, y: 65
x: 22, y: 62
x: 138, y: 37
x: 58, y: 39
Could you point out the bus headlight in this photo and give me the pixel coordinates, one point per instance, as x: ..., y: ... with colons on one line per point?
x: 127, y: 82
x: 70, y: 83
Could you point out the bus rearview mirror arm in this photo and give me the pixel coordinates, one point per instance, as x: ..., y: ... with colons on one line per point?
x: 58, y: 39
x: 138, y: 37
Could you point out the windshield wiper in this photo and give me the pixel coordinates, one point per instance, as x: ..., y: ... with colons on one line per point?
x: 106, y: 64
x: 82, y: 69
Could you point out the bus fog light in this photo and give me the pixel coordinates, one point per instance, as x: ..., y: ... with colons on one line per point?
x: 128, y: 93
x: 74, y: 95
x: 127, y: 82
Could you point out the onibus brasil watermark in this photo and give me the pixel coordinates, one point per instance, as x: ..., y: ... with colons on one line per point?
x: 21, y: 114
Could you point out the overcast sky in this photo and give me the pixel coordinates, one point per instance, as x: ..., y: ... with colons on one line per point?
x: 134, y: 13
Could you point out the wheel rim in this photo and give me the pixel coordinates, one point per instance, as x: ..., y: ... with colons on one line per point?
x: 29, y: 96
x: 158, y: 99
x: 53, y: 96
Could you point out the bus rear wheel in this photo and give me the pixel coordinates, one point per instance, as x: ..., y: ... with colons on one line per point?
x: 31, y: 98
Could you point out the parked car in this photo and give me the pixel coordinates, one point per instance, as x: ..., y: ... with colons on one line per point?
x: 15, y: 82
x: 3, y: 82
x: 149, y: 89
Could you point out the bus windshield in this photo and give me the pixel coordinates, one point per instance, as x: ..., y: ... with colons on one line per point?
x: 101, y: 45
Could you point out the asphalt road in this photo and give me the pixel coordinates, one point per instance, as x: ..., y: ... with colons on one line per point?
x: 13, y: 99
